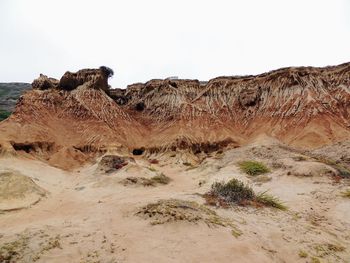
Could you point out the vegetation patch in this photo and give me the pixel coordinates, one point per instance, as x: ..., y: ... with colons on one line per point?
x: 328, y: 249
x: 253, y: 168
x: 346, y: 193
x: 160, y: 179
x: 13, y: 251
x: 174, y: 210
x: 303, y: 254
x: 4, y: 114
x: 28, y: 247
x: 270, y: 200
x: 51, y: 243
x: 236, y: 192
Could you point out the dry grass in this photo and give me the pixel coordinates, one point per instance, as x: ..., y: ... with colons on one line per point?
x: 174, y: 210
x: 28, y: 248
x: 161, y: 179
x: 270, y: 200
x: 13, y: 251
x: 328, y: 249
x: 153, y: 181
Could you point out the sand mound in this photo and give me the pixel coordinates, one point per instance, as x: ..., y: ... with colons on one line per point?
x: 312, y: 169
x: 18, y: 191
x: 68, y: 158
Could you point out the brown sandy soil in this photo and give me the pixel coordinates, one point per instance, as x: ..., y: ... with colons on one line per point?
x: 90, y: 216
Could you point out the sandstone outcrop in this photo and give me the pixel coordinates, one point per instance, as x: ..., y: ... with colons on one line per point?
x: 302, y: 107
x: 93, y: 78
x: 44, y: 82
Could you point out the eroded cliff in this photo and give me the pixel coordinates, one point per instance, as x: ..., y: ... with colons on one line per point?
x: 304, y: 107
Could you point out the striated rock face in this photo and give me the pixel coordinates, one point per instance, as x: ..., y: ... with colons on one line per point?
x: 297, y: 105
x: 281, y: 93
x: 303, y: 107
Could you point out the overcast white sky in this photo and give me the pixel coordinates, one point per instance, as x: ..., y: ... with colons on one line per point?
x: 142, y: 40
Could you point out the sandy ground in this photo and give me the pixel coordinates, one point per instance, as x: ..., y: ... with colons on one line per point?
x: 91, y: 217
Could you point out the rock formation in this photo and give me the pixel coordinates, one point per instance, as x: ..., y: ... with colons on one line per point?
x: 303, y: 107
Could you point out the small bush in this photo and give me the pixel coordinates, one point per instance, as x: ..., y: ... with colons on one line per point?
x: 233, y: 191
x: 253, y: 168
x: 236, y: 192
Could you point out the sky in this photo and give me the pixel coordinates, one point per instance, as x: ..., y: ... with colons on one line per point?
x: 141, y: 40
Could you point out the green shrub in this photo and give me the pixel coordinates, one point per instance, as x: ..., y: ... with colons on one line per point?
x: 253, y: 168
x: 236, y: 192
